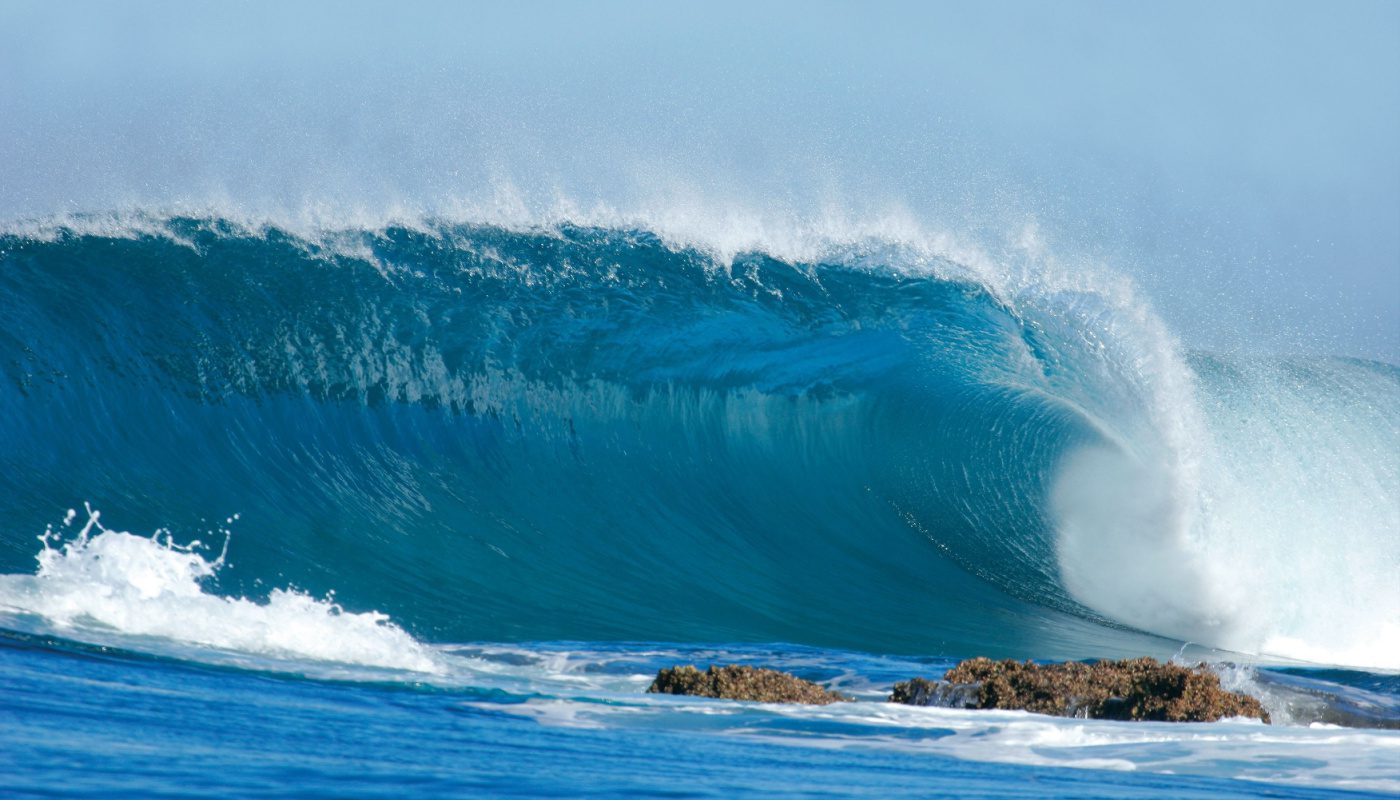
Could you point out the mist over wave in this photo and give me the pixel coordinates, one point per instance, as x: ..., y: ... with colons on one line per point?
x: 864, y: 437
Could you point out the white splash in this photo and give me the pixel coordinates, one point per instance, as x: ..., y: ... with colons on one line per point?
x: 111, y: 587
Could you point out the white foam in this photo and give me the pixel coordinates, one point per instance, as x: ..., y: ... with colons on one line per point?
x: 104, y: 584
x: 1248, y: 749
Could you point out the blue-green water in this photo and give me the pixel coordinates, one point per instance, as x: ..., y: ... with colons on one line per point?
x: 566, y: 444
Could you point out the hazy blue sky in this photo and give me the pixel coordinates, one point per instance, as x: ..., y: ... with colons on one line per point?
x: 1239, y: 159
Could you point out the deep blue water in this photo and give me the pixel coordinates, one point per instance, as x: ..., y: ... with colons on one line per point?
x: 568, y: 443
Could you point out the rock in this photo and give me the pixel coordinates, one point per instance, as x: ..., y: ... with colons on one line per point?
x: 1131, y: 689
x: 924, y: 692
x: 736, y: 682
x: 917, y: 692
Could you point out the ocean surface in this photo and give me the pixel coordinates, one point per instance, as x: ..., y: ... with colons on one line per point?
x: 419, y: 507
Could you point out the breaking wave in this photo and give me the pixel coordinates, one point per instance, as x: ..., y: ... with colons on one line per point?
x: 573, y: 431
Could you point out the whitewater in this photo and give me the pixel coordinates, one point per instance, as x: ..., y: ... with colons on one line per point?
x: 475, y: 478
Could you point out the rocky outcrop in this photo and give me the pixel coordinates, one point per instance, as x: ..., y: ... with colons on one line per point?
x: 1132, y: 689
x: 742, y: 683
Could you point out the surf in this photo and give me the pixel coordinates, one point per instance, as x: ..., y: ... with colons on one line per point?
x: 606, y: 431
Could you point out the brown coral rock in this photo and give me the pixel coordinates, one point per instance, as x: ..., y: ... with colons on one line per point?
x: 736, y: 682
x: 1131, y: 689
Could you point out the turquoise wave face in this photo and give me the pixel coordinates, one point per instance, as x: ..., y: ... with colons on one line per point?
x: 586, y: 433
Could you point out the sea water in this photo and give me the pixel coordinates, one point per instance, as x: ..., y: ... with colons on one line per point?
x: 423, y: 505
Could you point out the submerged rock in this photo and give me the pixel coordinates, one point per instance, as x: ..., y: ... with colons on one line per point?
x: 924, y: 692
x: 736, y: 682
x: 1131, y: 689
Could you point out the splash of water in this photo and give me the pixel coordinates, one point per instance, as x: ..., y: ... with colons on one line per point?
x: 113, y: 582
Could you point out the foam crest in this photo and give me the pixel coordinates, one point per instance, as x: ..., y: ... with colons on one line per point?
x: 722, y: 229
x: 105, y: 582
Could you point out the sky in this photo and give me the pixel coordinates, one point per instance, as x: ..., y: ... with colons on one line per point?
x: 1238, y: 160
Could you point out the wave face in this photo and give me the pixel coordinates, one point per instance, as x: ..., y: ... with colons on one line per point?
x: 576, y: 432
